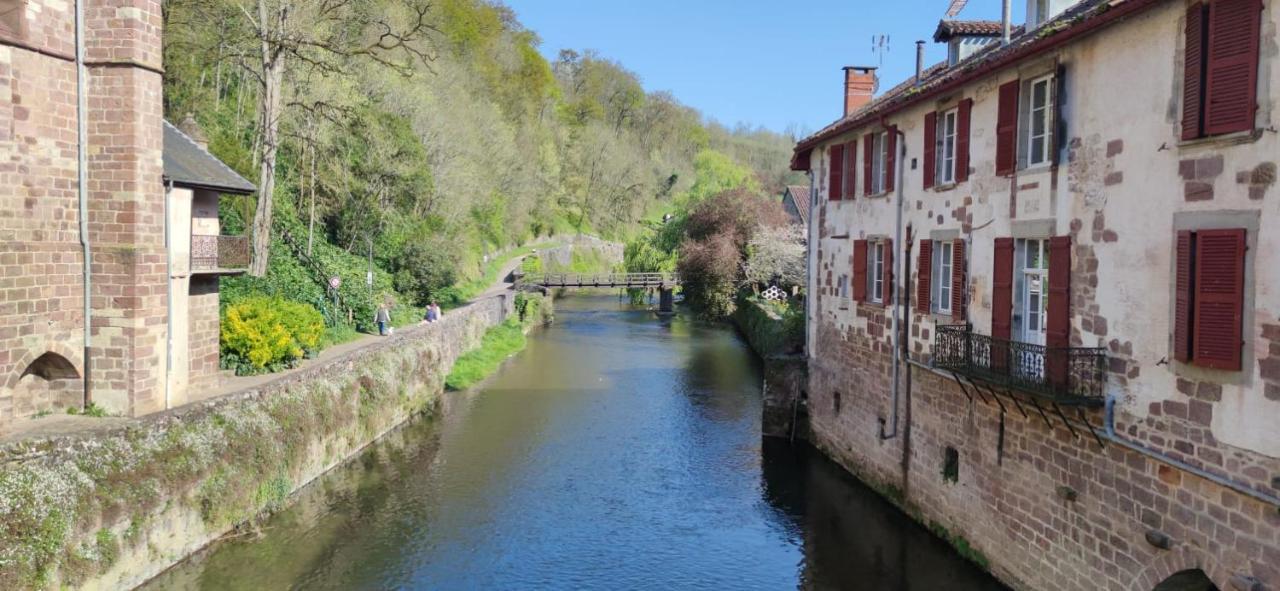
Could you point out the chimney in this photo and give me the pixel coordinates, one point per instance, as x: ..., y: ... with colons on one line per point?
x: 919, y: 61
x: 1006, y: 21
x: 859, y: 87
x: 193, y: 131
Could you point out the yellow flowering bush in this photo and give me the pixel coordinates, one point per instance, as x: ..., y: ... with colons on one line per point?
x: 262, y: 334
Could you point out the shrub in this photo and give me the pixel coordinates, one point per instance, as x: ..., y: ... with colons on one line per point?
x: 268, y: 334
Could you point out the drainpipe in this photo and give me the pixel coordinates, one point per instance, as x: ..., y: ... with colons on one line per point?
x: 899, y: 265
x: 168, y: 304
x: 809, y: 296
x: 1109, y: 433
x: 82, y: 194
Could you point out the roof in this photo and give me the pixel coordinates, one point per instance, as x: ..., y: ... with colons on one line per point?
x: 948, y: 29
x: 800, y: 195
x: 1083, y: 18
x: 187, y: 164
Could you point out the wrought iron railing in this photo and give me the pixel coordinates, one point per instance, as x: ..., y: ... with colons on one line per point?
x: 1063, y: 375
x: 219, y: 253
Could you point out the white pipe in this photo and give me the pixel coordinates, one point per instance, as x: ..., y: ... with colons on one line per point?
x: 168, y: 281
x: 899, y: 266
x: 82, y: 193
x: 1006, y: 21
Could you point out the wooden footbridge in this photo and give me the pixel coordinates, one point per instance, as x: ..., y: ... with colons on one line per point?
x: 627, y: 280
x: 665, y: 283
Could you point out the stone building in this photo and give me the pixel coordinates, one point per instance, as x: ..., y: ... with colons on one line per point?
x: 1072, y: 232
x: 45, y: 340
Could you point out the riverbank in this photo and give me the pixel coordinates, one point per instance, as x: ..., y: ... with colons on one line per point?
x: 113, y: 507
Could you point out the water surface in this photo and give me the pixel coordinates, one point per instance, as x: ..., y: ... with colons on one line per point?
x: 619, y: 451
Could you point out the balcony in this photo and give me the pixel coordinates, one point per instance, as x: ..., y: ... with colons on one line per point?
x: 1068, y: 376
x: 219, y: 254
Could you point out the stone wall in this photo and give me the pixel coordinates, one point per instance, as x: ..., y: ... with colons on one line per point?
x: 113, y: 507
x: 1045, y: 509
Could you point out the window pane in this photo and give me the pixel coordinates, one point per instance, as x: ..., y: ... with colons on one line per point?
x: 1037, y: 150
x: 1039, y: 93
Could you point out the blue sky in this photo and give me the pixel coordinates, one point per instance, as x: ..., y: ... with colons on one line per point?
x: 762, y: 62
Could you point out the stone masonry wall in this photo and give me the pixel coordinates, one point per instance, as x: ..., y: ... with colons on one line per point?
x: 204, y: 331
x: 1048, y: 510
x: 113, y: 507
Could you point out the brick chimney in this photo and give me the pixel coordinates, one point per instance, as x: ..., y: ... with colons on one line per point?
x: 859, y: 87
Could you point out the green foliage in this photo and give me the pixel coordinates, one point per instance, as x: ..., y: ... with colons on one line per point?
x: 772, y: 328
x: 716, y: 173
x: 265, y: 334
x: 92, y: 410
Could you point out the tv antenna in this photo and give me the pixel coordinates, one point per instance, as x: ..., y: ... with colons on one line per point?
x: 956, y: 7
x: 880, y: 46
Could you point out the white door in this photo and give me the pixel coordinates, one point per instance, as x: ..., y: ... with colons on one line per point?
x: 1034, y: 267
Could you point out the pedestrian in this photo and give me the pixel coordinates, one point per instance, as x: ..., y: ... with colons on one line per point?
x: 383, y: 318
x: 433, y: 312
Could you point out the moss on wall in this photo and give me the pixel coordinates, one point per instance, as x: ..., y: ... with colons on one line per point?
x: 71, y: 508
x: 772, y: 329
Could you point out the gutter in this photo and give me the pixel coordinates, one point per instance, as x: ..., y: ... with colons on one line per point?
x: 1106, y: 14
x: 82, y: 194
x: 810, y: 297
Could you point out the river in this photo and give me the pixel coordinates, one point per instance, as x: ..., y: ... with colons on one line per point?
x: 619, y: 451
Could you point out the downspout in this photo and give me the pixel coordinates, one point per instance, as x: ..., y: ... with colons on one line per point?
x: 168, y: 304
x: 898, y: 266
x: 810, y: 293
x: 82, y: 194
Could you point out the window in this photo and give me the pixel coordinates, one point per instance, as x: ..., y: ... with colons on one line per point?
x: 1031, y: 293
x: 875, y: 272
x: 13, y: 18
x: 1220, y: 68
x: 835, y: 185
x: 946, y: 172
x: 1209, y: 298
x: 943, y: 270
x: 1039, y: 121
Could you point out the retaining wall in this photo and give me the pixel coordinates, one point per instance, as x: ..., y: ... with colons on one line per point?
x: 111, y: 509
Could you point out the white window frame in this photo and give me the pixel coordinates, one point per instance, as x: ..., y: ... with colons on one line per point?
x: 1044, y: 113
x: 875, y: 272
x: 943, y: 273
x: 879, y: 160
x: 948, y: 131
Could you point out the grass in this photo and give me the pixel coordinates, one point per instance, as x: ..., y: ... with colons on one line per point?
x: 93, y: 410
x: 499, y: 343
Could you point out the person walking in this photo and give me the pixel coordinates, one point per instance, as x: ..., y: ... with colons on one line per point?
x: 383, y: 319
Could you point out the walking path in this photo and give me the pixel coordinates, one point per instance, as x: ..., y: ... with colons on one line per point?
x: 60, y: 423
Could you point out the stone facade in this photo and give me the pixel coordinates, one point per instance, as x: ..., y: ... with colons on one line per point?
x: 42, y: 273
x: 1190, y: 475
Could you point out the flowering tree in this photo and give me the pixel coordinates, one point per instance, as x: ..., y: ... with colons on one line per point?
x: 776, y: 253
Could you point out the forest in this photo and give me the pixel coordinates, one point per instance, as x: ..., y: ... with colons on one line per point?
x: 418, y: 141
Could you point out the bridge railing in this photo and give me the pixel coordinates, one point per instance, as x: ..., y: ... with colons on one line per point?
x: 599, y: 279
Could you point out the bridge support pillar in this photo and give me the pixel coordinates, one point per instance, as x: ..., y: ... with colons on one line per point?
x: 666, y: 300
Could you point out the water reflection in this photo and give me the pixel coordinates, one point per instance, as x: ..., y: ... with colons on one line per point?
x: 618, y: 452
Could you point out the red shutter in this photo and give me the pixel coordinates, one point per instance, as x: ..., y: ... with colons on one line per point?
x: 1058, y: 316
x: 962, y: 140
x: 891, y: 162
x: 835, y: 187
x: 868, y: 148
x: 1232, y: 80
x: 930, y: 149
x: 850, y: 165
x: 1193, y: 74
x: 958, y: 268
x: 1007, y: 129
x: 924, y: 279
x: 859, y: 278
x: 1182, y: 297
x: 1001, y: 303
x: 1002, y: 290
x: 1219, y: 298
x: 888, y: 272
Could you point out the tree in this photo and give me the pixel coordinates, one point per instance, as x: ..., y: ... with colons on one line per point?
x: 777, y: 253
x: 326, y: 36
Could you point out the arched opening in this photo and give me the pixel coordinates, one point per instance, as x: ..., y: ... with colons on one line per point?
x: 51, y: 366
x: 1187, y: 580
x: 50, y: 383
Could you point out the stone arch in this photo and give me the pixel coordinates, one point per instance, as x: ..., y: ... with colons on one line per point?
x: 1171, y: 564
x: 1187, y: 580
x: 43, y: 380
